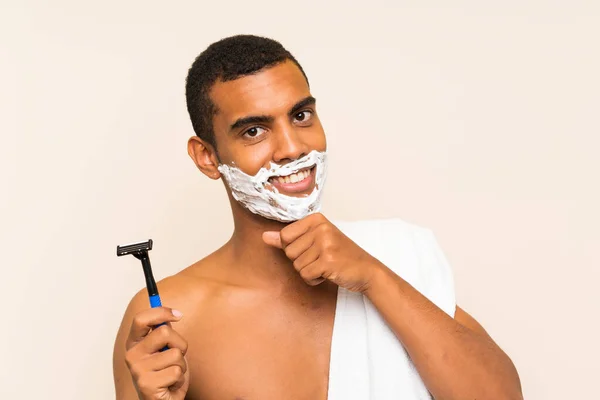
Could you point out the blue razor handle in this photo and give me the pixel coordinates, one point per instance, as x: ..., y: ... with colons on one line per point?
x: 155, y: 302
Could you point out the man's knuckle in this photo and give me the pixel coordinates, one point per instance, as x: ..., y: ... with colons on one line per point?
x: 176, y: 372
x: 329, y: 257
x: 324, y: 228
x: 289, y: 252
x: 163, y: 331
x: 135, y: 371
x: 129, y: 359
x: 305, y: 273
x: 136, y: 322
x: 178, y: 355
x: 331, y: 250
x: 144, y: 383
x: 297, y: 264
x: 173, y: 354
x: 285, y: 236
x: 184, y: 349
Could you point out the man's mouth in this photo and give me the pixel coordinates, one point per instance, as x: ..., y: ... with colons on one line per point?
x: 294, y: 183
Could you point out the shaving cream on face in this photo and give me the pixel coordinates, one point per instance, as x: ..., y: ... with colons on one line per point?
x: 252, y: 193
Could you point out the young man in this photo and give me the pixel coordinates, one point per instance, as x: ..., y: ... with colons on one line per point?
x: 255, y: 319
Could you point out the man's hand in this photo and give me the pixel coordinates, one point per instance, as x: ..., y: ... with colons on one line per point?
x: 320, y: 251
x: 157, y: 375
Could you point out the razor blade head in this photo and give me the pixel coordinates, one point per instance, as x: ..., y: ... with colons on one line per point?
x: 134, y: 248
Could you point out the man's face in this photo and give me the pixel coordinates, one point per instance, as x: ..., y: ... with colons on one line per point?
x: 268, y: 117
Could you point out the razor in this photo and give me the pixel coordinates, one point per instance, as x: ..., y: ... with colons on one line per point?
x: 140, y: 251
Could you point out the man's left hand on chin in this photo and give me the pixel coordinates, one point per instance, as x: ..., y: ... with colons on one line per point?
x: 320, y: 251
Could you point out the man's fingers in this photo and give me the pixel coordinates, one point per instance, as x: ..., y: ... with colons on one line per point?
x: 272, y: 238
x: 165, y: 359
x: 144, y: 321
x: 293, y: 231
x: 308, y: 257
x: 179, y: 383
x: 315, y: 282
x: 299, y: 246
x: 158, y: 361
x: 167, y: 377
x: 156, y: 372
x: 312, y: 273
x: 160, y: 337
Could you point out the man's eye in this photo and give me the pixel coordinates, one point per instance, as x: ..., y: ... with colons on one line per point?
x: 303, y: 116
x: 254, y: 132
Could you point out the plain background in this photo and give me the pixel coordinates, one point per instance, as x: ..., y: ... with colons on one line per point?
x: 476, y: 119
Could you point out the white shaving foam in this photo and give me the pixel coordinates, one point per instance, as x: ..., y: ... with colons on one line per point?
x: 252, y: 193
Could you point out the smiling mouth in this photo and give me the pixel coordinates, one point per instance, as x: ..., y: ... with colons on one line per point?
x: 293, y: 178
x: 296, y: 182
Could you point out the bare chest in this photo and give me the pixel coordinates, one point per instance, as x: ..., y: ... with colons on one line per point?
x: 276, y: 351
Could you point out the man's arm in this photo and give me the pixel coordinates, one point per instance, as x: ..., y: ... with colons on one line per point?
x: 124, y: 386
x: 140, y: 370
x: 456, y: 358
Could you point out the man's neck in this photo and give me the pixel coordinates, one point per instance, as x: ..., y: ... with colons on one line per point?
x: 257, y: 261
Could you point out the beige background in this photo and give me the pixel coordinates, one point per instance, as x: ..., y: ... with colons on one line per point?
x: 476, y: 119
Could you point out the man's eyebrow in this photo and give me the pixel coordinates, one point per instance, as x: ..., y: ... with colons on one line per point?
x: 264, y: 119
x: 253, y: 119
x: 307, y: 101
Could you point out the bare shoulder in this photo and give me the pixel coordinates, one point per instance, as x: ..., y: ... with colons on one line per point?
x: 193, y: 289
x: 184, y: 290
x: 189, y: 291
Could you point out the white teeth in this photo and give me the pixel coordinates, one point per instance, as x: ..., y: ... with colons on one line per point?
x: 293, y: 178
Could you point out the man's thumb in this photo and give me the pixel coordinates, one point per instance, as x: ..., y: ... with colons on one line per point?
x: 272, y: 238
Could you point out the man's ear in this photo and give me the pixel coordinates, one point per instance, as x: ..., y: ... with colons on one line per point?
x: 204, y: 156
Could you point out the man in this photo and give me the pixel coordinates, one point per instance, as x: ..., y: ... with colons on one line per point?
x: 255, y: 319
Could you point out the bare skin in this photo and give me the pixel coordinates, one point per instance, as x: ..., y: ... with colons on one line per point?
x: 258, y: 313
x: 246, y: 340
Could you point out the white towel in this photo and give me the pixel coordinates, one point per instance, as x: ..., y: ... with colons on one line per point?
x: 368, y: 362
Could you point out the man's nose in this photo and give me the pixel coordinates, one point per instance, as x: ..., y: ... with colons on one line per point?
x: 289, y: 145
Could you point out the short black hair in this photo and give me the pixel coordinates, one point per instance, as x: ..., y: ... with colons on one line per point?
x: 226, y: 60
